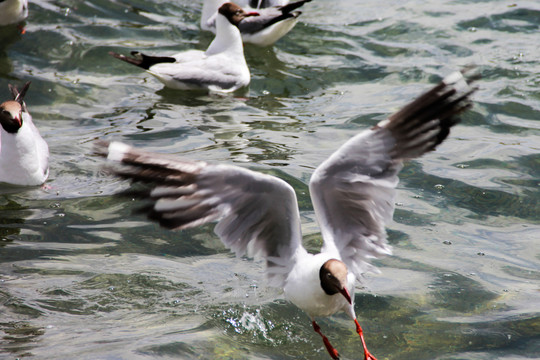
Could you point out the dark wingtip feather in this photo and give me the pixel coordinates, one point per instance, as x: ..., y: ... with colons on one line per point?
x: 292, y: 6
x: 129, y: 60
x: 141, y: 60
x: 18, y: 96
x: 425, y: 122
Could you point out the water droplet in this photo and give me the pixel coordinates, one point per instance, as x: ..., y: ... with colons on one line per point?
x: 439, y: 187
x: 266, y: 92
x: 111, y: 288
x: 480, y: 254
x: 472, y: 29
x: 399, y: 204
x: 446, y: 242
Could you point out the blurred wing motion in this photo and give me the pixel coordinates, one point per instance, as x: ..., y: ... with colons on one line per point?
x: 353, y: 190
x: 257, y: 214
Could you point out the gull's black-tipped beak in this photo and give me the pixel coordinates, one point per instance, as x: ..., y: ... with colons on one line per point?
x: 346, y: 294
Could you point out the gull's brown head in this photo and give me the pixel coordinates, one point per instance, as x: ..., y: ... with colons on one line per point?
x: 11, y: 116
x: 11, y: 110
x: 333, y: 276
x: 234, y: 13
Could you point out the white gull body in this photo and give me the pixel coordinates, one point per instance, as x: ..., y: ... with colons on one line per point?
x: 299, y: 289
x: 13, y: 11
x: 352, y: 192
x: 222, y: 67
x: 270, y: 20
x: 24, y: 155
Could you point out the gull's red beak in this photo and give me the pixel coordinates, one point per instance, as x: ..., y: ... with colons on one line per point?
x: 18, y: 119
x: 346, y: 294
x: 252, y: 13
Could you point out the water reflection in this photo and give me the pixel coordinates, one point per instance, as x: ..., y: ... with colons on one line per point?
x: 9, y: 35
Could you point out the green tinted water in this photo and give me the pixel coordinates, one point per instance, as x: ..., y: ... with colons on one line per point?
x: 81, y: 277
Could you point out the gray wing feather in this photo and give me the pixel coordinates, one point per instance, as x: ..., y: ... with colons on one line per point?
x: 199, y: 75
x: 257, y: 214
x: 353, y: 191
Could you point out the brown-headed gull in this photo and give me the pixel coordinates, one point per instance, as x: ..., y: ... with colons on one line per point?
x: 13, y: 11
x: 352, y: 191
x: 24, y: 155
x: 222, y: 67
x: 267, y: 24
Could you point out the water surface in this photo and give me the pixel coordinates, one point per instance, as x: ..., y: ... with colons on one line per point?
x: 83, y: 277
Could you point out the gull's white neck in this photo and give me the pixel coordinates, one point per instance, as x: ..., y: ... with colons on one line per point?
x: 303, y: 287
x: 227, y: 38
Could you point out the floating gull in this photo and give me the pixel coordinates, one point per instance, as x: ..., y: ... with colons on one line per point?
x: 266, y: 25
x: 222, y: 67
x: 24, y: 155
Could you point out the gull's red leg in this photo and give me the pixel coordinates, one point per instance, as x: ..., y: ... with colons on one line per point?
x: 333, y: 352
x: 367, y: 354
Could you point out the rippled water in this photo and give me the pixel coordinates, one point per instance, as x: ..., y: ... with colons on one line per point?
x: 82, y: 277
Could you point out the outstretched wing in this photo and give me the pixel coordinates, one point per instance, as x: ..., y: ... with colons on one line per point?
x: 257, y: 214
x: 353, y: 190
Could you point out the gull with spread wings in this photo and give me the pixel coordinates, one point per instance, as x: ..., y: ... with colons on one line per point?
x: 352, y: 192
